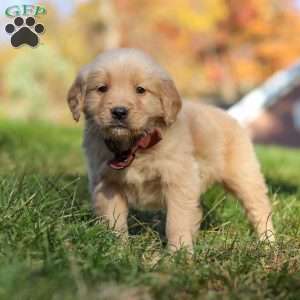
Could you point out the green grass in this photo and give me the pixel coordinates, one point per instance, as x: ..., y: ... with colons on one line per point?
x: 52, y: 247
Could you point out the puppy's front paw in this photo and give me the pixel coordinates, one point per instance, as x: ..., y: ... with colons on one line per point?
x: 268, y: 236
x: 181, y: 242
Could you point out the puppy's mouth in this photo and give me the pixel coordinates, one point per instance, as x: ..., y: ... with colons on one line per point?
x: 118, y: 125
x: 119, y: 138
x: 125, y: 149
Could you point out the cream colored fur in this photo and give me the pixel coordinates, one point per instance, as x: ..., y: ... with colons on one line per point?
x: 201, y: 145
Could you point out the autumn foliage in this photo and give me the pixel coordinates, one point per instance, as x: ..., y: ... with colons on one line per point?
x: 214, y: 49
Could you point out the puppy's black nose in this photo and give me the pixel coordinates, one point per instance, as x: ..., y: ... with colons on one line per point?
x: 119, y: 112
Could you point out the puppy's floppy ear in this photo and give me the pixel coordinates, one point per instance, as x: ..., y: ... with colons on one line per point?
x: 171, y: 101
x: 76, y: 95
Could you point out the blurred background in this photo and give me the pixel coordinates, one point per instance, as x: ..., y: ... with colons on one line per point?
x: 216, y: 50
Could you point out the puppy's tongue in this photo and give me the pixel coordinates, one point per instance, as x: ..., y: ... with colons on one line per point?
x: 146, y: 141
x: 121, y: 161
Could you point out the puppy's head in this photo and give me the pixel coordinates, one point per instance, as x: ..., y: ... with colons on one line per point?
x: 125, y: 93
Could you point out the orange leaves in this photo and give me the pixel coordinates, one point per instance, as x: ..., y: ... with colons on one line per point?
x: 193, y: 16
x: 217, y: 48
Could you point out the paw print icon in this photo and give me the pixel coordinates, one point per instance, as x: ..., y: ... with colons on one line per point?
x: 24, y: 31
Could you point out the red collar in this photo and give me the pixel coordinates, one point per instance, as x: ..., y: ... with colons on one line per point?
x: 124, y: 159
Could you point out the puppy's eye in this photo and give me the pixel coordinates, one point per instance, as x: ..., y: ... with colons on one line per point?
x: 140, y: 90
x: 102, y: 88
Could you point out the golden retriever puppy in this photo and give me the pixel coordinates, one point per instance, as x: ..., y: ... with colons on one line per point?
x: 145, y: 148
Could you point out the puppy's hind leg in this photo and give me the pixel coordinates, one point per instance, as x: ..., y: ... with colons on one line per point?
x: 245, y: 180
